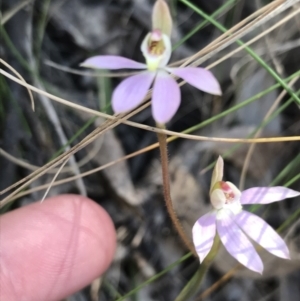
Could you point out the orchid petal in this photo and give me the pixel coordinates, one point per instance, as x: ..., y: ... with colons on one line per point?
x: 257, y: 229
x: 200, y: 78
x: 112, y: 62
x: 204, y: 232
x: 236, y: 242
x: 165, y: 97
x: 131, y: 92
x: 217, y: 174
x: 266, y: 195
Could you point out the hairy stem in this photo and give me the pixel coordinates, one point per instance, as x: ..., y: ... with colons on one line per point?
x: 162, y: 139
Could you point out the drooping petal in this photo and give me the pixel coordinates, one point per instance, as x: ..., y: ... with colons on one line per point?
x: 112, y: 62
x: 266, y: 195
x: 217, y: 174
x: 236, y: 242
x: 165, y: 97
x: 161, y: 17
x: 257, y: 229
x: 200, y: 78
x: 204, y: 232
x: 131, y: 91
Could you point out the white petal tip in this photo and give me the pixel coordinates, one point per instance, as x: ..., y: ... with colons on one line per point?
x: 294, y: 193
x: 86, y: 65
x: 286, y: 256
x: 220, y: 162
x: 256, y: 270
x: 219, y: 92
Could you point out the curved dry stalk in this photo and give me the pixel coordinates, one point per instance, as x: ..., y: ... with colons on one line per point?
x: 55, y: 121
x: 111, y: 124
x: 36, y: 174
x: 21, y: 78
x: 87, y: 173
x: 54, y: 178
x: 17, y: 161
x: 151, y: 128
x: 86, y: 73
x: 270, y: 11
x: 218, y: 283
x: 11, y: 12
x: 64, y: 101
x: 88, y: 139
x: 257, y: 134
x: 265, y: 32
x: 32, y: 167
x: 223, y: 39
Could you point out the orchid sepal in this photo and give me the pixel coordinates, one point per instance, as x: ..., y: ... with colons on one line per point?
x: 161, y: 17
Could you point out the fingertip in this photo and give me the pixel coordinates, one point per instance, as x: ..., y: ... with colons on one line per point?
x: 54, y: 248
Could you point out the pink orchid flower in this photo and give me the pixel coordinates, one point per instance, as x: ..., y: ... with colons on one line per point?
x: 156, y: 48
x: 235, y: 226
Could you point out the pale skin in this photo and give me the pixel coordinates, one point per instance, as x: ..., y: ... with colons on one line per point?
x: 52, y: 249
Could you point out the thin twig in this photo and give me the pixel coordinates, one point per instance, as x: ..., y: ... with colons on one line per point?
x: 87, y: 73
x: 53, y: 117
x: 92, y: 136
x: 53, y: 180
x: 146, y: 127
x: 265, y: 32
x: 20, y: 162
x: 14, y: 10
x: 280, y: 6
x: 257, y: 134
x: 21, y: 78
x: 218, y: 283
x: 227, y: 38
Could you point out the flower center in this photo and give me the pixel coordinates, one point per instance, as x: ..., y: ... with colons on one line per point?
x: 156, y: 48
x: 228, y: 192
x: 156, y: 45
x: 226, y: 195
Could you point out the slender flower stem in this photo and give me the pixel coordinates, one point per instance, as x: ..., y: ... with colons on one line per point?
x: 162, y: 140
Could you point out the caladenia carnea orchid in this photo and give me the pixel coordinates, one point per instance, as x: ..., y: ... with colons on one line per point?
x: 235, y: 226
x: 156, y: 48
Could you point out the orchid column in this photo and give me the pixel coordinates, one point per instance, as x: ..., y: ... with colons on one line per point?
x: 130, y: 93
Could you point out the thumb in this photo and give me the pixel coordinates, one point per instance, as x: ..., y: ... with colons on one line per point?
x: 52, y: 249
